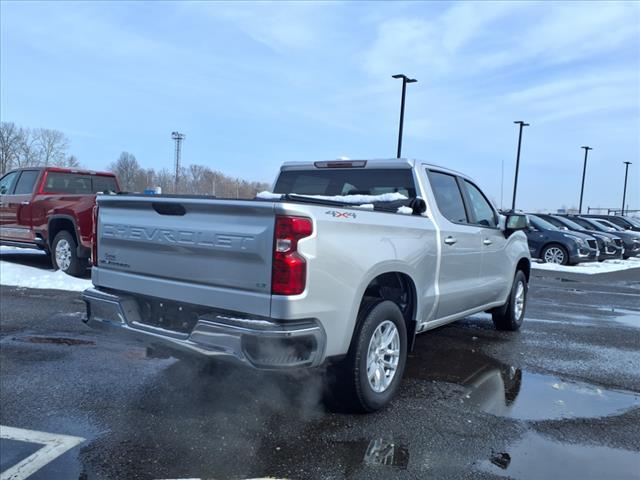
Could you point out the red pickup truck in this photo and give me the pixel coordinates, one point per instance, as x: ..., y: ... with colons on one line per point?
x: 52, y: 209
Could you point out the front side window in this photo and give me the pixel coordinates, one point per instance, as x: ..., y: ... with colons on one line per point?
x: 482, y: 210
x: 72, y: 183
x: 448, y: 196
x: 7, y: 182
x: 26, y: 182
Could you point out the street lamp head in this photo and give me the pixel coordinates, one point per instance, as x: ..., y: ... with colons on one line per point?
x: 520, y: 122
x: 586, y: 147
x: 627, y: 163
x: 398, y: 75
x: 411, y: 80
x: 404, y: 78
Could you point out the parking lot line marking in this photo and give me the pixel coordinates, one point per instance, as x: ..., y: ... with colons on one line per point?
x: 54, y: 446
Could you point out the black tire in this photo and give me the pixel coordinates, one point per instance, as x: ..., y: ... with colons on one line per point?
x: 348, y: 387
x: 563, y: 250
x: 73, y: 265
x: 506, y: 318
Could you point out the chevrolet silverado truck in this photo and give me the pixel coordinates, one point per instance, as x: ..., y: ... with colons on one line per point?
x: 51, y: 209
x: 339, y: 267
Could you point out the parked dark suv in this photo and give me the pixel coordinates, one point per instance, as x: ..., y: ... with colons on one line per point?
x: 607, y: 245
x: 624, y: 222
x: 630, y: 240
x: 552, y: 245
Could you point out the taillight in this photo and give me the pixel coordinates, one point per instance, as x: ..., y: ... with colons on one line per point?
x: 94, y: 237
x: 289, y: 275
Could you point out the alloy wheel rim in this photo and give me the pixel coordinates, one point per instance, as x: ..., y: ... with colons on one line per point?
x: 383, y: 356
x: 63, y: 255
x: 519, y: 303
x: 554, y: 255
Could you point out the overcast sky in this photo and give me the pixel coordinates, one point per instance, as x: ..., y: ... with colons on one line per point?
x: 255, y: 84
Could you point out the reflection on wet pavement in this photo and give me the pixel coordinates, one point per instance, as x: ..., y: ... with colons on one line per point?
x: 536, y: 457
x: 503, y: 390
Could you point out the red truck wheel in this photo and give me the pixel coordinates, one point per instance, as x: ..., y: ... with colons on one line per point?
x: 64, y: 255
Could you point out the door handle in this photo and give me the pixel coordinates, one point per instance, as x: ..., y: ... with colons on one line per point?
x: 486, y: 241
x: 26, y: 202
x: 450, y: 240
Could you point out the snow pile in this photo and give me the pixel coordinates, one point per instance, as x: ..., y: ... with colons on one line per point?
x: 18, y: 275
x: 352, y: 199
x: 268, y: 195
x: 592, y: 267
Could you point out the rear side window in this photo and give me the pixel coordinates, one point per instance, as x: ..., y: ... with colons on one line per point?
x: 26, y: 182
x: 348, y: 181
x: 448, y: 196
x: 102, y: 184
x: 7, y: 182
x: 72, y: 183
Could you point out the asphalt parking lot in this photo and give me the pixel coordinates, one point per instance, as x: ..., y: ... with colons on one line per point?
x: 560, y: 398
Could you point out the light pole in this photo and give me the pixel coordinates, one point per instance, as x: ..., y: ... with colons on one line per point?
x: 515, y: 181
x: 405, y: 80
x: 624, y: 192
x: 178, y: 138
x: 584, y: 172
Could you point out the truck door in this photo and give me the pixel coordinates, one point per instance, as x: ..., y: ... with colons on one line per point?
x: 496, y: 272
x: 459, y: 280
x: 16, y: 208
x: 7, y: 184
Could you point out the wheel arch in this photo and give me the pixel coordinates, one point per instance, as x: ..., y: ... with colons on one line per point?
x: 398, y: 287
x: 58, y: 223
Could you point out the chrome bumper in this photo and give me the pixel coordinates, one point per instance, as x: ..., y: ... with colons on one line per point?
x: 259, y: 343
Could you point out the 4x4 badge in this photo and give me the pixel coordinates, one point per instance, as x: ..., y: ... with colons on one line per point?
x: 337, y: 214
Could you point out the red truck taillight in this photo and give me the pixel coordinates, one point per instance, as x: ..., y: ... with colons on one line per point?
x: 94, y: 237
x: 289, y: 274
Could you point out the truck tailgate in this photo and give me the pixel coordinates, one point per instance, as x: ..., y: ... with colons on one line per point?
x: 195, y: 250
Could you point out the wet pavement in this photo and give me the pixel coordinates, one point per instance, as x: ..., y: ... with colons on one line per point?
x: 560, y: 398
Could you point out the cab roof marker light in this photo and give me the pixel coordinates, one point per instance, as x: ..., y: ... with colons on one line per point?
x: 341, y: 164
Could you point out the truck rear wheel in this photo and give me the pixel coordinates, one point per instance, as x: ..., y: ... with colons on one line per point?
x: 64, y: 255
x: 510, y: 316
x: 369, y: 376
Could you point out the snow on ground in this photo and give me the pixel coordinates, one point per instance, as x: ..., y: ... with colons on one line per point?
x: 592, y: 267
x: 19, y: 275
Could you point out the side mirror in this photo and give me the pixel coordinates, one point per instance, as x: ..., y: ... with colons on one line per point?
x: 516, y: 221
x: 419, y: 205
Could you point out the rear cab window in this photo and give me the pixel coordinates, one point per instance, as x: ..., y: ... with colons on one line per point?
x: 348, y: 181
x: 78, y: 183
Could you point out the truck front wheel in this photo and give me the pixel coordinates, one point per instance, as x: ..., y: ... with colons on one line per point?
x: 368, y: 378
x: 64, y: 255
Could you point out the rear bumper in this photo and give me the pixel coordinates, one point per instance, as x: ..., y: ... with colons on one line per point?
x: 256, y: 342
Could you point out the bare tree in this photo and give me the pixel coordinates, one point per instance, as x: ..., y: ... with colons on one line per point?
x: 9, y: 146
x: 52, y: 146
x: 71, y: 161
x: 127, y: 169
x: 28, y: 154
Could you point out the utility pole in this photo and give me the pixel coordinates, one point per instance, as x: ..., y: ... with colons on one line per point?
x: 178, y: 137
x: 624, y: 192
x: 584, y: 172
x: 515, y: 181
x: 405, y: 80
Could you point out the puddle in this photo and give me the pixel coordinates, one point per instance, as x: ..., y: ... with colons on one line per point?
x: 630, y: 318
x: 505, y: 391
x: 535, y: 457
x: 55, y: 340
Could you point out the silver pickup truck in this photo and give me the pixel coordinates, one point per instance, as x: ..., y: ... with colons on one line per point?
x: 340, y: 267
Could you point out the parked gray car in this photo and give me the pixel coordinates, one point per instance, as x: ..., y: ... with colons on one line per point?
x: 341, y: 267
